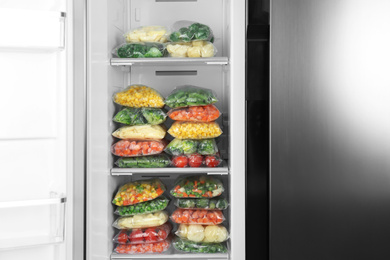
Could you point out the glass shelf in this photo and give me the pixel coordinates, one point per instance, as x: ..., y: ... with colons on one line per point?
x: 169, y: 61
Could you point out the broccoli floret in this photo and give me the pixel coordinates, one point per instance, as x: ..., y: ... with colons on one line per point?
x: 175, y: 37
x: 189, y: 146
x: 153, y: 53
x: 202, y: 203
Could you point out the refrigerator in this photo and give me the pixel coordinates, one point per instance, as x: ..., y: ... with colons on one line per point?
x: 303, y: 88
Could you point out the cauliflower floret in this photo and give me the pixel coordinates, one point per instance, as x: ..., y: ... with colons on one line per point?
x: 195, y: 233
x: 194, y: 52
x: 207, y: 50
x: 147, y: 34
x: 215, y: 234
x: 182, y: 230
x: 217, y: 192
x: 198, y: 43
x: 177, y: 50
x: 222, y: 234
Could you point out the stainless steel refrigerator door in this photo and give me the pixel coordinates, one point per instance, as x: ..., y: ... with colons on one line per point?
x: 330, y: 129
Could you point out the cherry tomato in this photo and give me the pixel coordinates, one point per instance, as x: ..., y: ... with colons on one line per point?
x: 162, y: 234
x: 122, y: 237
x: 211, y: 161
x: 180, y: 161
x: 136, y: 236
x: 195, y: 160
x: 151, y: 235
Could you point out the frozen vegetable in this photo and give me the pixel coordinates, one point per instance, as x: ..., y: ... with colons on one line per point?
x: 185, y: 31
x: 141, y: 132
x: 143, y: 235
x: 199, y: 233
x: 139, y: 96
x: 195, y: 130
x: 148, y: 34
x: 140, y: 50
x: 189, y: 146
x: 195, y: 49
x: 204, y: 203
x: 138, y: 191
x: 197, y: 216
x: 197, y: 186
x: 140, y: 116
x: 187, y: 95
x: 142, y: 220
x: 195, y: 114
x: 152, y: 161
x: 151, y: 248
x: 196, y: 160
x: 133, y: 148
x: 150, y: 206
x: 198, y: 247
x: 180, y: 161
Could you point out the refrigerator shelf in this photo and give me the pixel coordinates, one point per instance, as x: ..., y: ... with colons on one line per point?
x: 169, y: 61
x: 221, y: 170
x: 169, y: 255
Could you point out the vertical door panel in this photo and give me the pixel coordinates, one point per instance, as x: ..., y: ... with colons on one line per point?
x: 330, y: 129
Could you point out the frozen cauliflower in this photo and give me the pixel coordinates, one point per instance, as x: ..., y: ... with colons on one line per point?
x: 195, y: 233
x: 199, y: 233
x: 194, y: 49
x: 142, y: 220
x: 147, y: 34
x: 141, y: 132
x: 215, y: 234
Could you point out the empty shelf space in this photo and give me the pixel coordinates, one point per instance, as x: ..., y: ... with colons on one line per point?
x: 169, y: 61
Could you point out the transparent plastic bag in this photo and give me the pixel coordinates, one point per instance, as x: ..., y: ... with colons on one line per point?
x: 138, y: 191
x: 134, y: 148
x: 140, y: 50
x: 143, y: 235
x: 195, y: 130
x: 204, y: 203
x: 187, y: 95
x: 152, y: 161
x: 151, y: 248
x: 194, y: 49
x: 142, y: 220
x: 139, y: 96
x: 189, y: 146
x: 148, y: 34
x: 141, y: 132
x: 200, y: 186
x: 150, y: 206
x: 196, y: 160
x: 140, y: 116
x: 186, y: 31
x: 201, y: 247
x: 197, y: 216
x: 199, y: 233
x: 207, y: 113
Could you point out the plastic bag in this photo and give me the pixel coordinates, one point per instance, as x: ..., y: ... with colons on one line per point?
x: 196, y: 160
x: 142, y: 220
x: 195, y: 130
x: 148, y: 34
x: 138, y: 191
x: 153, y: 161
x: 186, y: 31
x: 199, y: 233
x: 139, y: 96
x: 194, y: 247
x: 134, y: 148
x: 198, y: 185
x: 204, y: 203
x: 140, y: 50
x: 187, y: 95
x: 153, y: 248
x: 207, y: 113
x: 140, y: 116
x: 150, y: 206
x: 197, y: 216
x: 141, y: 132
x: 194, y: 49
x: 143, y: 235
x: 189, y: 146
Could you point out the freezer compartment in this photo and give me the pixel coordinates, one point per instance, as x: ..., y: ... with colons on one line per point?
x: 168, y: 179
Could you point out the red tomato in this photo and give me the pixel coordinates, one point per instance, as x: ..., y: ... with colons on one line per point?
x: 162, y: 234
x: 180, y: 161
x: 122, y: 237
x: 195, y: 160
x: 151, y: 235
x: 136, y: 236
x: 211, y: 161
